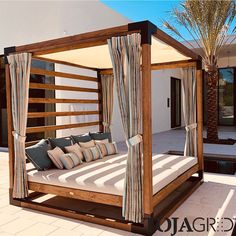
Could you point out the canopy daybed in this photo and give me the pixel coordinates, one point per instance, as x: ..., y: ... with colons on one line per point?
x: 161, y: 182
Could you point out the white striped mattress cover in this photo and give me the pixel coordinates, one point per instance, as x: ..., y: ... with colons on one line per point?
x: 107, y: 175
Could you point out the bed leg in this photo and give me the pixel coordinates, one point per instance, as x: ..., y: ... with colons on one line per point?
x: 149, y: 227
x: 200, y: 174
x: 13, y: 201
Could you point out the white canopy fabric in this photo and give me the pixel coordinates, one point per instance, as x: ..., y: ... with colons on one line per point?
x: 99, y: 57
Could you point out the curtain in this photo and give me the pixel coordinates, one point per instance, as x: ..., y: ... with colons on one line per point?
x: 107, y: 100
x: 20, y: 73
x: 125, y: 54
x: 189, y: 110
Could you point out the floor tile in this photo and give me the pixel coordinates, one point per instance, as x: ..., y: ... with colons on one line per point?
x: 38, y: 229
x: 17, y: 225
x: 64, y: 232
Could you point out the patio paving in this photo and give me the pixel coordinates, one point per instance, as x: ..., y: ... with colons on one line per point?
x: 216, y: 197
x: 174, y: 140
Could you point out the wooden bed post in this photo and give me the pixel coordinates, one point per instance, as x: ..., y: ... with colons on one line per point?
x: 9, y: 122
x: 147, y: 29
x: 100, y: 105
x: 147, y: 128
x: 199, y: 118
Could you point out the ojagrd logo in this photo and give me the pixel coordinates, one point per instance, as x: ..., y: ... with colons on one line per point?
x: 175, y: 225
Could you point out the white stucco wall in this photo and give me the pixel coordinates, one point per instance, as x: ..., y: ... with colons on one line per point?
x: 25, y: 22
x: 75, y: 95
x: 227, y: 61
x: 161, y: 90
x: 161, y: 116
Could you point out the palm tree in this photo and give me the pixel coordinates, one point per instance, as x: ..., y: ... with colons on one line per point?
x: 208, y: 23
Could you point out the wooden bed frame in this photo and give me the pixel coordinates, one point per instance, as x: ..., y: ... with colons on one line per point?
x: 156, y: 207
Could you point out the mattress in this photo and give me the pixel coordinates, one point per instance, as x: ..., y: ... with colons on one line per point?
x: 107, y: 175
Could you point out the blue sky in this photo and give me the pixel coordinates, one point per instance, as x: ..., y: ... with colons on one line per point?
x: 138, y: 10
x: 155, y: 11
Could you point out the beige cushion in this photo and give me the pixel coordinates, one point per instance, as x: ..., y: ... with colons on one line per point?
x: 76, y: 149
x: 70, y: 160
x: 55, y: 155
x: 92, y: 154
x: 87, y: 144
x: 104, y: 175
x: 107, y: 148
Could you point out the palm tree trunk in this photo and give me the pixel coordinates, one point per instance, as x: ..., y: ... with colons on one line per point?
x: 212, y: 111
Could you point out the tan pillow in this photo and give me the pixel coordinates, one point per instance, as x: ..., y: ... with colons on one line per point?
x: 76, y: 149
x: 102, y: 141
x: 55, y: 155
x: 108, y: 148
x: 88, y: 144
x: 70, y: 160
x: 92, y: 154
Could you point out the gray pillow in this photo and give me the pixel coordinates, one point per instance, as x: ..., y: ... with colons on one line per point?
x: 60, y: 142
x: 81, y: 138
x: 100, y: 136
x: 37, y: 155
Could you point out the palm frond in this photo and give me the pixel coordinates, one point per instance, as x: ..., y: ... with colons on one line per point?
x: 207, y: 22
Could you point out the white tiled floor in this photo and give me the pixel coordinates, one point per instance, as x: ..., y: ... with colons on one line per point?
x: 174, y: 140
x: 215, y: 198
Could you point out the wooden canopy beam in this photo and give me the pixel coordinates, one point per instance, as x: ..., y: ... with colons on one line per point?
x: 174, y: 65
x: 163, y: 66
x: 100, y: 37
x: 71, y: 42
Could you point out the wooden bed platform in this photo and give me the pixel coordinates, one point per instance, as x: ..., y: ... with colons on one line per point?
x: 97, y: 207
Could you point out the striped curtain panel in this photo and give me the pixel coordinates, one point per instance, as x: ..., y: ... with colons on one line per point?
x: 189, y: 110
x: 107, y: 100
x: 20, y: 73
x: 125, y: 54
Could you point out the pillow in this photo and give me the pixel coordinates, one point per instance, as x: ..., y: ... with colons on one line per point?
x: 76, y: 149
x: 81, y: 138
x: 102, y: 141
x: 87, y: 144
x: 55, y: 155
x: 60, y: 142
x: 107, y: 148
x: 70, y: 160
x: 100, y: 136
x: 37, y: 155
x: 92, y: 154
